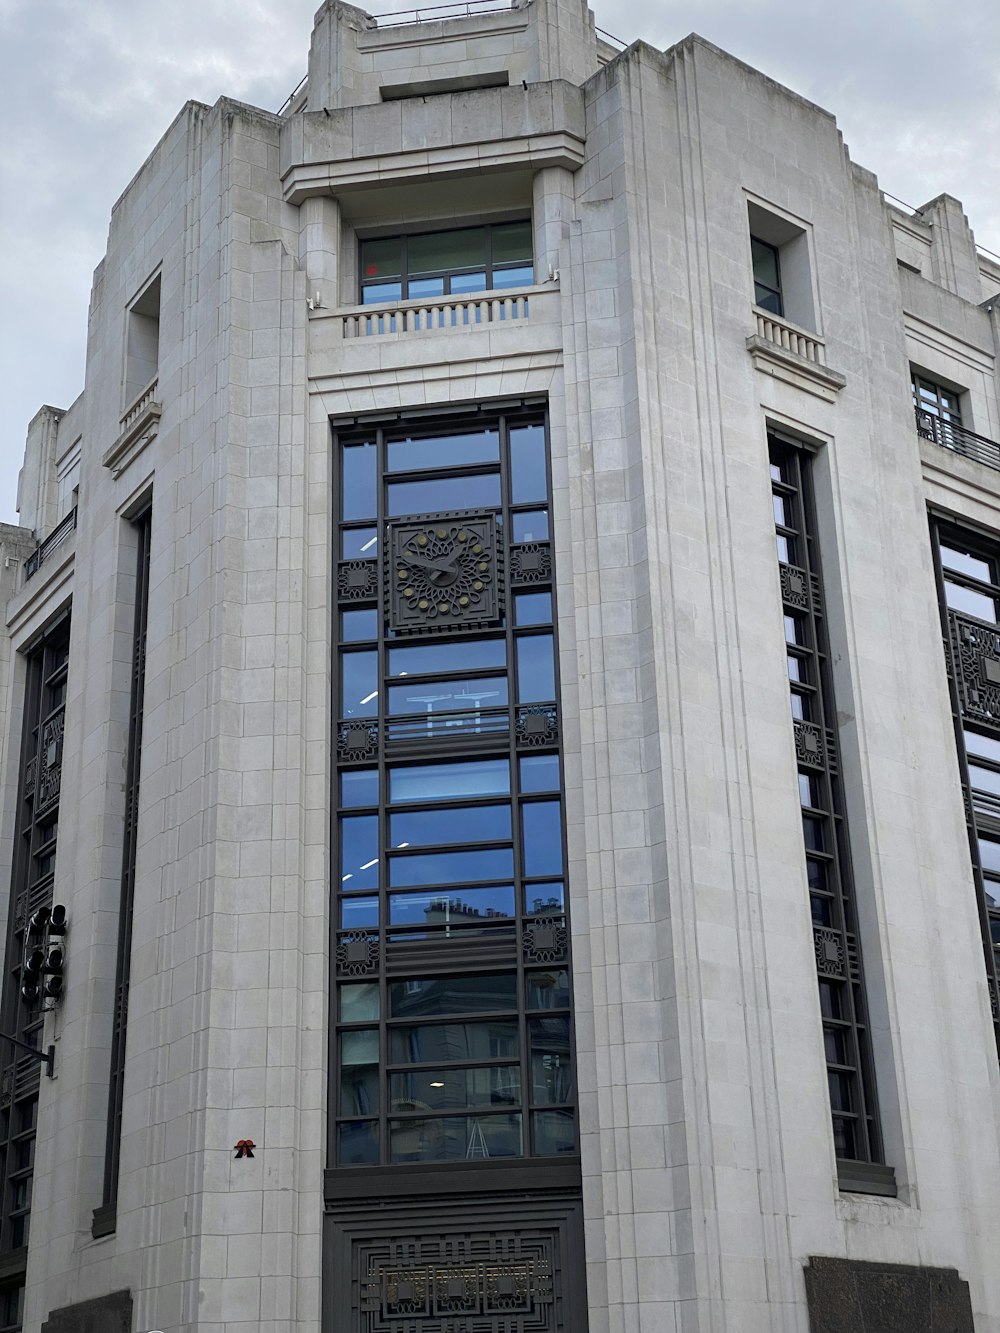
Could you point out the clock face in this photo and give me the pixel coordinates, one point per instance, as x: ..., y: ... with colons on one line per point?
x: 444, y: 572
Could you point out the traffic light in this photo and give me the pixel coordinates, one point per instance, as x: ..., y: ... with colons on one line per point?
x: 53, y: 971
x: 34, y: 961
x: 44, y: 954
x: 57, y: 920
x: 39, y: 922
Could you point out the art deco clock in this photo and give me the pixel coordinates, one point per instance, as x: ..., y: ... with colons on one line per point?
x: 444, y: 573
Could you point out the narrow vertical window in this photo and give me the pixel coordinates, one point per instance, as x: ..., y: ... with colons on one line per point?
x: 142, y: 342
x: 23, y: 1000
x: 968, y: 573
x: 104, y: 1217
x: 850, y: 1077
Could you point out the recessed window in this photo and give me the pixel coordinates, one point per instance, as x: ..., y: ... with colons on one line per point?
x: 936, y: 399
x: 781, y: 266
x: 142, y: 342
x: 446, y: 263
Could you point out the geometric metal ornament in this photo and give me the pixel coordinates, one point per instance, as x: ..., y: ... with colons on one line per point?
x: 443, y: 572
x: 976, y: 655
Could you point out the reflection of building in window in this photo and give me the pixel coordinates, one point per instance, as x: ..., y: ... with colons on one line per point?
x: 446, y: 263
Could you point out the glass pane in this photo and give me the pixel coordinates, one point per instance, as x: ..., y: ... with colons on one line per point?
x: 451, y: 867
x: 765, y: 262
x: 984, y: 779
x: 536, y: 679
x: 435, y: 782
x: 795, y: 629
x: 356, y: 913
x: 359, y: 684
x: 359, y: 852
x: 767, y: 299
x: 971, y: 603
x: 817, y: 875
x: 425, y: 451
x: 359, y: 786
x: 835, y: 1046
x: 966, y: 563
x: 461, y: 907
x: 533, y: 608
x: 424, y: 287
x: 358, y: 1088
x: 984, y: 746
x: 450, y: 824
x: 544, y: 899
x: 359, y: 1004
x: 433, y: 997
x: 531, y: 526
x: 840, y: 1090
x: 989, y: 854
x: 812, y: 833
x: 821, y: 910
x: 454, y: 1089
x: 455, y: 1138
x: 439, y: 696
x: 527, y: 465
x: 512, y: 242
x: 462, y: 284
x: 381, y: 258
x: 523, y: 275
x: 437, y: 1043
x: 356, y: 625
x: 444, y: 493
x: 357, y: 1143
x: 447, y: 655
x: 785, y: 548
x: 357, y: 480
x: 359, y: 544
x: 359, y: 1048
x: 554, y: 1132
x: 542, y: 838
x: 845, y: 1142
x: 551, y: 1068
x: 463, y: 248
x: 830, y: 1002
x: 781, y: 505
x: 808, y: 790
x: 796, y: 668
x: 540, y: 772
x: 801, y: 707
x: 548, y: 989
x: 381, y: 293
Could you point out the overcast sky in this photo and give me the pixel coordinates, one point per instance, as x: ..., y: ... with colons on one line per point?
x: 92, y: 84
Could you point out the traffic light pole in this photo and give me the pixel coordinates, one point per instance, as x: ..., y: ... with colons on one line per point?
x: 46, y: 1057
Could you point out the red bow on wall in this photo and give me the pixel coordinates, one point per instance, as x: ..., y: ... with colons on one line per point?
x: 245, y: 1148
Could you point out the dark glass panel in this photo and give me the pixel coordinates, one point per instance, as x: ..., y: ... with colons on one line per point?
x: 436, y: 782
x: 528, y: 484
x: 969, y: 602
x: 451, y: 867
x: 841, y: 1090
x: 536, y: 679
x: 821, y: 910
x: 357, y: 1143
x: 455, y: 1138
x: 359, y: 1002
x: 358, y: 913
x: 447, y: 655
x: 544, y: 899
x: 554, y: 1132
x: 381, y: 258
x: 454, y: 1089
x: 359, y: 852
x: 539, y: 772
x: 830, y: 1000
x: 450, y: 824
x: 438, y: 1043
x: 765, y: 262
x: 817, y: 874
x: 512, y: 242
x: 835, y: 1046
x: 460, y: 907
x: 463, y: 248
x: 412, y: 453
x: 547, y: 989
x: 531, y: 526
x: 767, y: 300
x: 359, y: 786
x: 845, y: 1139
x: 444, y: 493
x: 533, y: 608
x: 432, y: 997
x: 359, y: 544
x: 551, y: 1067
x: 359, y: 624
x: 447, y: 696
x: 358, y: 1088
x: 542, y: 838
x: 813, y: 833
x: 359, y: 684
x: 357, y: 480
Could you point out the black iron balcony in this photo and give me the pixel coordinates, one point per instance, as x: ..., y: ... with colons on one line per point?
x: 55, y: 539
x: 951, y: 435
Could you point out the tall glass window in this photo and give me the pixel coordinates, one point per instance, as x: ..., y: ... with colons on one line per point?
x: 850, y: 1076
x: 458, y: 262
x: 451, y: 942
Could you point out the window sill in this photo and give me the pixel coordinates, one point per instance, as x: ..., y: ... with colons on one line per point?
x: 866, y: 1178
x: 139, y: 424
x: 105, y: 1221
x: 795, y: 368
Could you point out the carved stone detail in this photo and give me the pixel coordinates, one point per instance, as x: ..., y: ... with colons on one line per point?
x: 444, y: 572
x: 531, y: 563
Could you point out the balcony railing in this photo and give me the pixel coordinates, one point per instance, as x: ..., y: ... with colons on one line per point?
x: 950, y: 435
x: 789, y: 336
x: 424, y: 316
x: 54, y: 540
x: 139, y: 405
x: 463, y: 9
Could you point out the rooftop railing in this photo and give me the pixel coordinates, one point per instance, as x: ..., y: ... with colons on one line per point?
x: 950, y: 435
x: 54, y: 540
x: 461, y: 9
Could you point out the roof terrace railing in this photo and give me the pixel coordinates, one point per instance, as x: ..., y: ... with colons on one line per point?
x: 55, y: 539
x: 950, y: 435
x: 459, y: 9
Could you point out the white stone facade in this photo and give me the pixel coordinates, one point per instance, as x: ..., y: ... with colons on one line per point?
x: 709, y: 1174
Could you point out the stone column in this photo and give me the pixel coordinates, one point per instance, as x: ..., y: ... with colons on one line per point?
x: 553, y: 208
x: 319, y: 248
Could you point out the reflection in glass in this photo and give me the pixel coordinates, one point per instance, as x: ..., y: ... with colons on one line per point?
x: 450, y: 867
x: 357, y: 480
x: 358, y: 1087
x: 554, y: 1132
x: 521, y: 276
x: 989, y: 854
x: 435, y: 782
x: 531, y: 526
x: 358, y: 624
x: 450, y: 824
x: 511, y: 242
x: 359, y: 544
x: 459, y: 907
x: 431, y: 997
x: 444, y: 696
x: 539, y: 772
x: 455, y: 1138
x: 381, y: 293
x: 358, y: 913
x: 437, y: 1043
x: 548, y: 989
x: 359, y: 1003
x: 359, y: 786
x: 536, y: 680
x: 533, y: 608
x: 357, y: 1143
x: 359, y: 684
x: 969, y: 602
x: 551, y: 1068
x: 462, y: 248
x: 544, y: 899
x: 359, y: 852
x: 966, y: 562
x: 542, y: 838
x: 471, y: 655
x: 438, y: 494
x: 455, y: 1089
x: 413, y: 453
x: 528, y: 483
x: 987, y: 747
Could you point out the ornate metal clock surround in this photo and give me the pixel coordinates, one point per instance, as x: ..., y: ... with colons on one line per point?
x: 444, y: 572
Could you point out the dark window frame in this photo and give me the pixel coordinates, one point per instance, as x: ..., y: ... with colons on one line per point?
x: 774, y: 293
x: 446, y: 274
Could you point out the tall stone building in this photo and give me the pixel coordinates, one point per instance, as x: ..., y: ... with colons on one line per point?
x: 501, y: 719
